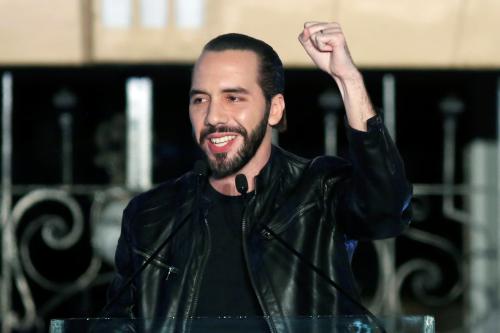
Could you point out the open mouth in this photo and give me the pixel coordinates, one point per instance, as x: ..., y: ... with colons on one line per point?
x: 222, y: 141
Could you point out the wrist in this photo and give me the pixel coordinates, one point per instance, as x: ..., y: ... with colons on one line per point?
x: 349, y: 77
x: 351, y: 81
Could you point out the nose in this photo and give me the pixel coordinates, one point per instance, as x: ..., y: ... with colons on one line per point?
x: 216, y: 114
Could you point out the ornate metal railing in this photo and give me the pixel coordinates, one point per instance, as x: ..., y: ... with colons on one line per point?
x: 61, y: 230
x: 69, y: 225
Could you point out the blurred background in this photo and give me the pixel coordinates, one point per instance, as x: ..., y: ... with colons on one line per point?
x: 94, y: 98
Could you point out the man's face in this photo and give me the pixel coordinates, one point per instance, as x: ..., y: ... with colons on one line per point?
x: 227, y: 109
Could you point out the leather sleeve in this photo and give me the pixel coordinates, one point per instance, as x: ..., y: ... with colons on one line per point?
x: 123, y: 305
x: 374, y: 200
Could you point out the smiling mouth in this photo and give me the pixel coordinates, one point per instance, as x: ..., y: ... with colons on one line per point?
x: 223, y: 140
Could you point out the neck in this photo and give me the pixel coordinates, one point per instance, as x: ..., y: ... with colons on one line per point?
x: 227, y: 185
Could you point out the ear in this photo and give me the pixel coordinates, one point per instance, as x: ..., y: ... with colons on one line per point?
x: 277, y: 109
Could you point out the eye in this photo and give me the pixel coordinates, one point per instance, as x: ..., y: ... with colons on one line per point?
x: 198, y: 100
x: 234, y: 99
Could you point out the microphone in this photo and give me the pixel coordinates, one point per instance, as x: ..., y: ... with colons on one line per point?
x: 241, y: 184
x: 200, y: 170
x: 242, y: 187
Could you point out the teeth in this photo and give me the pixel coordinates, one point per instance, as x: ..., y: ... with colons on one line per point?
x: 222, y: 140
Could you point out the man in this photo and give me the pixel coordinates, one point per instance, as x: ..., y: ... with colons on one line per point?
x: 233, y: 254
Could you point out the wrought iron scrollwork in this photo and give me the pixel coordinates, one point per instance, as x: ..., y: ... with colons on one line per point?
x: 58, y: 234
x: 428, y: 275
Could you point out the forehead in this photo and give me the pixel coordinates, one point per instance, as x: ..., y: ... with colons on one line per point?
x: 226, y: 67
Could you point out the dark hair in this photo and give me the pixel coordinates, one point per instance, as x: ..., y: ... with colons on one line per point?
x: 271, y: 75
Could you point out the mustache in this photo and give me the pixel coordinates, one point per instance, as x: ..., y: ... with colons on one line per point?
x: 209, y: 129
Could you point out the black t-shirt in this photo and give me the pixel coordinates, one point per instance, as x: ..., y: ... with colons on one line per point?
x: 226, y: 289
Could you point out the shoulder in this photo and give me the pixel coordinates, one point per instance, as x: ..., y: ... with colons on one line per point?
x: 321, y: 164
x: 164, y: 196
x: 326, y: 173
x: 291, y: 160
x: 313, y: 171
x: 329, y: 165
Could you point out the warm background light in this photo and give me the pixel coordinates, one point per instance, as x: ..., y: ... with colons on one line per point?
x: 382, y: 33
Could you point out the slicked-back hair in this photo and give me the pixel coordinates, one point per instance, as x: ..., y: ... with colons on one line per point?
x: 271, y: 76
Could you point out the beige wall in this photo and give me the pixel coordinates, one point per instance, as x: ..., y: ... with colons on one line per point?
x: 424, y: 33
x: 381, y: 33
x: 42, y: 32
x: 277, y: 21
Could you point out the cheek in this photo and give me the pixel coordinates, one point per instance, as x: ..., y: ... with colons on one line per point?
x: 252, y: 118
x: 196, y: 123
x: 193, y: 134
x: 246, y: 115
x: 196, y: 133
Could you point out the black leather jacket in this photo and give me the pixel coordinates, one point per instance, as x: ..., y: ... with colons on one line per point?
x: 320, y: 207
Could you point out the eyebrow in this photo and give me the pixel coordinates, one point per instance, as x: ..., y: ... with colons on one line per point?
x: 193, y: 92
x: 239, y: 90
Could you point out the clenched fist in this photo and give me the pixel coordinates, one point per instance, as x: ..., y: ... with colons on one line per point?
x: 326, y: 45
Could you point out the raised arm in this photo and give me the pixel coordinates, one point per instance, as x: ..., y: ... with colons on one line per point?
x: 373, y: 200
x: 326, y: 45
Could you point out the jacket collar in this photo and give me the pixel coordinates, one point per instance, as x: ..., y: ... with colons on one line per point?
x: 271, y: 171
x: 267, y: 184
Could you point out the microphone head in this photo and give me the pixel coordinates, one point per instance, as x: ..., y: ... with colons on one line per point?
x: 200, y: 168
x: 241, y: 183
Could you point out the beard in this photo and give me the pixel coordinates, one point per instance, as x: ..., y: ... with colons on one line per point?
x: 221, y: 165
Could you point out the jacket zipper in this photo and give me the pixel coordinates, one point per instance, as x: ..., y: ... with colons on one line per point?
x: 252, y: 281
x: 170, y: 269
x: 200, y: 272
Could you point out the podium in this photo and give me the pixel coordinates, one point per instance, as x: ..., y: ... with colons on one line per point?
x: 316, y: 324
